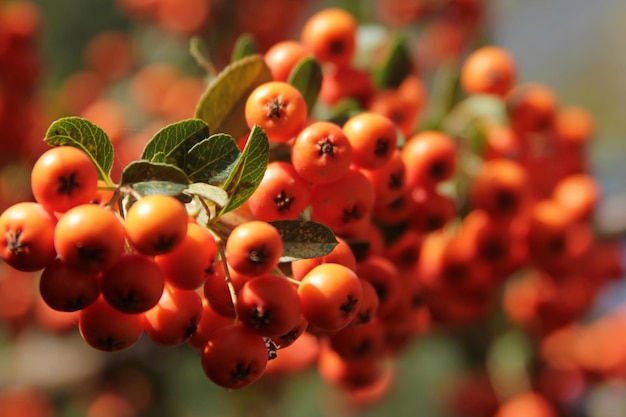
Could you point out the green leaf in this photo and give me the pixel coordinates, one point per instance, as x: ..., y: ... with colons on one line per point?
x: 303, y: 239
x: 244, y: 46
x: 141, y: 171
x: 171, y: 144
x: 162, y: 187
x: 396, y: 65
x: 249, y: 169
x: 306, y: 76
x: 213, y: 159
x: 223, y: 103
x: 159, y: 157
x: 208, y: 192
x: 83, y: 134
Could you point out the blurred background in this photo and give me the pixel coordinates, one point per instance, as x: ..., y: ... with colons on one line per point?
x: 126, y: 66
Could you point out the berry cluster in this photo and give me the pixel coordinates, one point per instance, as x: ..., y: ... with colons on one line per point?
x: 323, y: 213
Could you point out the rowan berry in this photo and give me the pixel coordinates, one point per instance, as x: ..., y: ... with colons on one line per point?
x: 134, y: 284
x: 321, y: 153
x: 330, y: 296
x: 269, y: 305
x: 64, y: 177
x: 283, y: 56
x: 429, y: 158
x: 174, y: 319
x: 105, y: 328
x: 330, y: 35
x: 489, y: 70
x: 187, y: 265
x: 344, y: 205
x: 89, y: 238
x: 27, y: 242
x: 156, y: 224
x: 65, y: 289
x: 234, y: 356
x: 281, y: 195
x: 254, y: 248
x: 373, y: 139
x: 278, y: 108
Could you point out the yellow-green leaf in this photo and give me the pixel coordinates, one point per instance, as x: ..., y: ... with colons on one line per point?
x: 248, y: 172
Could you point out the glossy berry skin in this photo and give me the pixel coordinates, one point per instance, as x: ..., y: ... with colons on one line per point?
x: 373, y: 138
x: 175, y: 318
x: 489, y: 70
x: 283, y: 56
x: 209, y: 322
x: 429, y: 158
x: 105, y: 328
x: 344, y: 205
x: 89, y: 238
x: 269, y: 305
x: 321, y: 153
x: 330, y: 35
x: 27, y: 242
x: 186, y: 265
x: 156, y: 224
x: 234, y: 356
x: 65, y: 289
x: 134, y: 284
x: 330, y: 295
x: 64, y: 177
x: 281, y: 195
x: 278, y: 108
x: 254, y: 248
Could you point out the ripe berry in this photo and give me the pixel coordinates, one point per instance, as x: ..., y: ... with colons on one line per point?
x: 234, y: 356
x: 330, y: 296
x: 254, y: 248
x: 27, y: 242
x: 156, y: 224
x: 64, y: 177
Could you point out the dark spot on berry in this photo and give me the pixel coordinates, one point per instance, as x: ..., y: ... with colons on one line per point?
x: 165, y: 243
x: 191, y: 329
x: 261, y: 318
x: 90, y: 255
x: 382, y: 147
x: 350, y: 215
x: 349, y: 305
x: 241, y: 372
x: 434, y: 223
x: 67, y: 184
x: 364, y: 317
x: 506, y: 201
x: 396, y: 181
x: 275, y: 109
x: 326, y: 147
x: 283, y: 202
x: 109, y: 344
x: 438, y: 170
x: 14, y: 243
x: 363, y: 348
x: 337, y: 47
x: 258, y: 256
x: 381, y: 290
